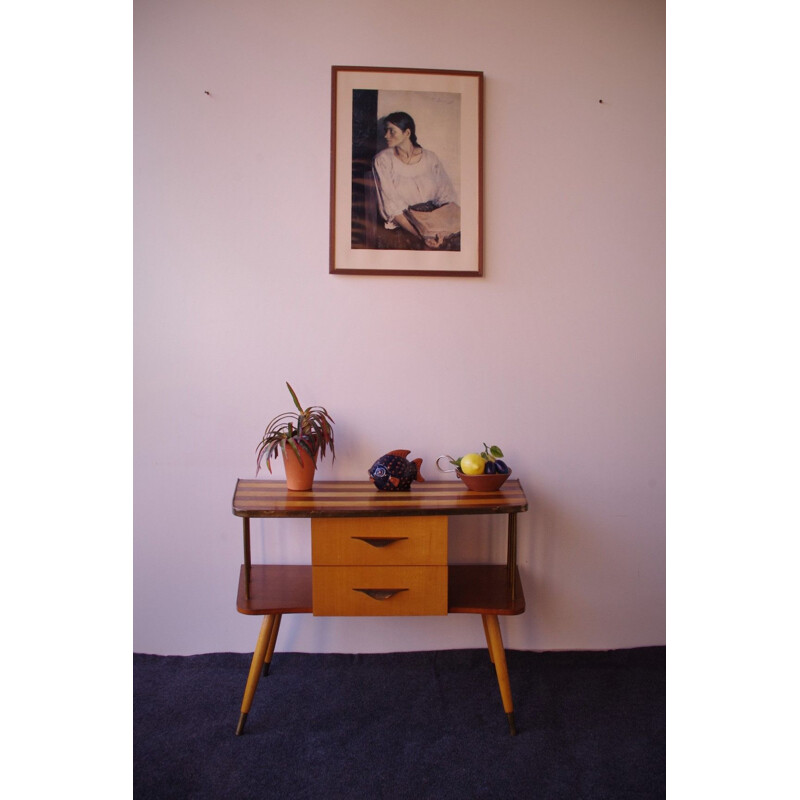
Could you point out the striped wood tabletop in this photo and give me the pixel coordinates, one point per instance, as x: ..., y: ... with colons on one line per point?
x: 261, y: 498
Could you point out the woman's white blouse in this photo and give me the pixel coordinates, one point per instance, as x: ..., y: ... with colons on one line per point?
x: 402, y: 185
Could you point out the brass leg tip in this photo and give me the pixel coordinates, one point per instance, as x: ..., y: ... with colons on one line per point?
x: 265, y: 671
x: 240, y: 726
x: 512, y: 728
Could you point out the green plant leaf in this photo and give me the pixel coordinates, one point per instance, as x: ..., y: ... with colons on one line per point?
x: 294, y: 397
x: 292, y: 443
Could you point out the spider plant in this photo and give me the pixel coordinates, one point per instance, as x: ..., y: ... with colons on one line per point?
x: 309, y: 429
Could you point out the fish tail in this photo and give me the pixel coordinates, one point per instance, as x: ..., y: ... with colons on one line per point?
x: 418, y: 462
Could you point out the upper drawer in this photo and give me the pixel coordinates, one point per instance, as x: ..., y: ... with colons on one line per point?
x: 384, y: 541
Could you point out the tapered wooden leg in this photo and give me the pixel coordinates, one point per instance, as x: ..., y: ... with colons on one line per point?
x: 498, y: 654
x: 272, y: 639
x: 486, y: 633
x: 262, y: 645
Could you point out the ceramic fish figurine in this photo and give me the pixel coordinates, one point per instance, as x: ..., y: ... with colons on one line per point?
x: 394, y: 472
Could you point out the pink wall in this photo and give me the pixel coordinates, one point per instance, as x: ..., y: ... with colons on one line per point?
x: 557, y: 354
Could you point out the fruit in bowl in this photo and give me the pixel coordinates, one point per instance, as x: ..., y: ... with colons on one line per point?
x: 484, y: 483
x: 482, y: 472
x: 472, y: 464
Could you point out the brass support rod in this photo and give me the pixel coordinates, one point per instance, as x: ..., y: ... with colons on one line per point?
x: 511, y: 556
x: 246, y: 537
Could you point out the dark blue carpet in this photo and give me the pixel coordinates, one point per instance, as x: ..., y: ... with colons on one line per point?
x: 402, y: 725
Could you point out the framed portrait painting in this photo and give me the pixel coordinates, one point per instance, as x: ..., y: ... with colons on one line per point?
x: 406, y: 172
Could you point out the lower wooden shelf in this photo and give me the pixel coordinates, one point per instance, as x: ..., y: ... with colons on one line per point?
x: 275, y: 589
x: 472, y: 589
x: 483, y: 589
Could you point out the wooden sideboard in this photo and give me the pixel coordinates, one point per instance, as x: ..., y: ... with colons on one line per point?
x: 378, y: 554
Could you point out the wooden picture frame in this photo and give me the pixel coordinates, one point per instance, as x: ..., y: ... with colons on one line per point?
x: 411, y: 204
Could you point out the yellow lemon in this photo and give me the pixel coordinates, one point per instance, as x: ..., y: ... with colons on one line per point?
x: 472, y: 464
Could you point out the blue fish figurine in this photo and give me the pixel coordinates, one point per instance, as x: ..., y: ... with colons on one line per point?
x: 394, y: 472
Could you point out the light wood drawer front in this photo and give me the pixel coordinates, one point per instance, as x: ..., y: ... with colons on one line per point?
x: 379, y: 591
x: 391, y: 540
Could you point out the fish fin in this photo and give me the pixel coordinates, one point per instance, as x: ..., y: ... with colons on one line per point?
x: 394, y: 481
x: 400, y: 453
x: 418, y: 462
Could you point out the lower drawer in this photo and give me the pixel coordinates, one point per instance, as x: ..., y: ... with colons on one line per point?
x: 379, y: 591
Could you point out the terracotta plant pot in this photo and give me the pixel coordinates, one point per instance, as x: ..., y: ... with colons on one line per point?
x: 483, y: 483
x: 299, y: 476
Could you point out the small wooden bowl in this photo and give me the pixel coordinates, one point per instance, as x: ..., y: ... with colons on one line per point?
x: 484, y: 483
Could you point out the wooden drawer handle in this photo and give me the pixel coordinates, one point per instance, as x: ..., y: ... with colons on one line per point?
x: 382, y: 542
x: 380, y: 594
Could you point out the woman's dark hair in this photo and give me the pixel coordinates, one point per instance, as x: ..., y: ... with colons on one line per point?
x: 405, y: 122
